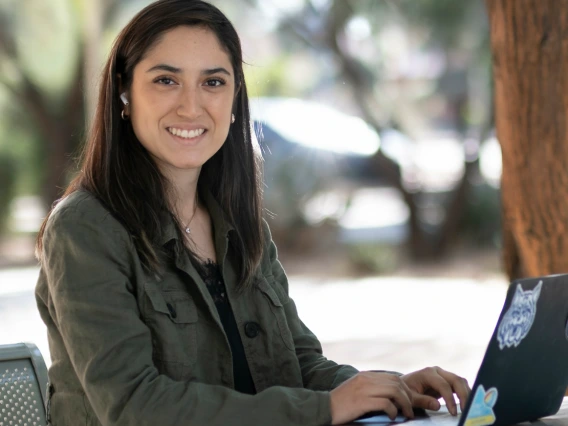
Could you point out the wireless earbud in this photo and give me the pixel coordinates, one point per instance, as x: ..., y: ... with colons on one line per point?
x: 124, y: 98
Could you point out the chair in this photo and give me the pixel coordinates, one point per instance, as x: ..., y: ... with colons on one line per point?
x: 23, y: 385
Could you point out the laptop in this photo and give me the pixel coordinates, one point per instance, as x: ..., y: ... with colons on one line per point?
x: 524, y: 373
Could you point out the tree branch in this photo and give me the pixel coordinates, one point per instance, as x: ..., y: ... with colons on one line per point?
x: 17, y: 94
x: 7, y: 43
x: 359, y: 80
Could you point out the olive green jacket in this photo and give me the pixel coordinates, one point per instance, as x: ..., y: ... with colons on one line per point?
x: 129, y: 348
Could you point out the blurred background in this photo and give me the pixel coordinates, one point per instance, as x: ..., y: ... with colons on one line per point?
x: 382, y: 170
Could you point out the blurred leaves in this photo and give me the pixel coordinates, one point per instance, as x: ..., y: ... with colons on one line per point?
x: 399, y: 58
x: 45, y: 56
x: 371, y: 58
x: 41, y: 48
x: 7, y: 186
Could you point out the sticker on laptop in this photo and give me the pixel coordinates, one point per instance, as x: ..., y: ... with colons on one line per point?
x: 519, y: 318
x: 481, y: 411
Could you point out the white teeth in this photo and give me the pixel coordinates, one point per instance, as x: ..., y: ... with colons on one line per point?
x: 186, y: 134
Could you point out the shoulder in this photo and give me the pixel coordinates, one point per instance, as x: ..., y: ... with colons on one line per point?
x: 269, y: 262
x: 268, y: 247
x: 80, y: 204
x: 82, y: 212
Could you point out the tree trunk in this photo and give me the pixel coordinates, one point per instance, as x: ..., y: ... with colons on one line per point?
x: 529, y: 41
x: 62, y: 133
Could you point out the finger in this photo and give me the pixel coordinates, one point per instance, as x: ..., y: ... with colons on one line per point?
x: 392, y: 387
x: 458, y: 384
x: 425, y: 401
x: 403, y: 400
x: 397, y: 393
x: 440, y: 385
x: 448, y: 398
x: 386, y: 405
x: 408, y: 391
x: 462, y: 389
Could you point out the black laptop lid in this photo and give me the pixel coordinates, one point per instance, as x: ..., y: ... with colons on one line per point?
x: 524, y: 373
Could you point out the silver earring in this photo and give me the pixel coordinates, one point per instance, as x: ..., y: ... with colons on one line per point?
x: 124, y: 100
x: 232, y: 118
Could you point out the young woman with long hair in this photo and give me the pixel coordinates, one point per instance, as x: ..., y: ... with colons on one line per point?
x: 160, y: 286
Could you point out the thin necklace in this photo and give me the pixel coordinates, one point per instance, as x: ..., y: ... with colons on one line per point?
x: 186, y: 227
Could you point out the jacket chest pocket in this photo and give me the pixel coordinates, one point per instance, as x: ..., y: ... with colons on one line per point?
x: 172, y: 318
x: 278, y: 313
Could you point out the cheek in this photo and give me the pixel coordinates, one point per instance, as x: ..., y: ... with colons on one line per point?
x: 147, y: 107
x: 223, y: 106
x: 140, y: 124
x: 146, y: 114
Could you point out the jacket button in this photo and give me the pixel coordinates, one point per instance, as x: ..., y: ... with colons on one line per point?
x: 173, y: 312
x: 252, y: 329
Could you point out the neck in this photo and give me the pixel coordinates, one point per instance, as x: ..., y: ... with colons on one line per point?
x: 184, y: 183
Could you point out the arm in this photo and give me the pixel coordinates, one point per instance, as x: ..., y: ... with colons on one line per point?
x: 318, y: 372
x: 354, y: 393
x: 88, y: 260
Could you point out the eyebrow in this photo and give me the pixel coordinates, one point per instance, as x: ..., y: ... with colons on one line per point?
x: 215, y: 71
x: 165, y: 67
x: 175, y: 70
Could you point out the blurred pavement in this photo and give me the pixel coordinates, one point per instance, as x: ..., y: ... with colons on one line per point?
x: 391, y: 323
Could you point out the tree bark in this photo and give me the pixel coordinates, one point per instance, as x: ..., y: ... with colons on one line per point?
x: 529, y: 41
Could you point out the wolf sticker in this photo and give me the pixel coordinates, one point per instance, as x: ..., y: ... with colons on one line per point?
x: 519, y: 318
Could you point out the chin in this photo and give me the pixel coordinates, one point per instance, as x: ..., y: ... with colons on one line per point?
x: 181, y: 162
x: 189, y: 166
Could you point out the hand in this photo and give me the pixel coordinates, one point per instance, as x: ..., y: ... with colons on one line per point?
x: 370, y: 391
x: 431, y: 383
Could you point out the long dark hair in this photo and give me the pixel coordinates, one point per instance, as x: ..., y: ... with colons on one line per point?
x: 118, y: 170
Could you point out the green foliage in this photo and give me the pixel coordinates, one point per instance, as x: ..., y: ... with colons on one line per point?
x: 47, y: 40
x: 448, y: 21
x: 375, y: 258
x: 19, y: 142
x: 7, y: 186
x: 481, y: 222
x: 39, y: 51
x: 269, y: 80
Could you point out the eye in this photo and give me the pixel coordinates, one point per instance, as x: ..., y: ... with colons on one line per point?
x: 215, y: 82
x: 164, y: 80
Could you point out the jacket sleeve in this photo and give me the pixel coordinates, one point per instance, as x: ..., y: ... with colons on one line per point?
x: 88, y: 260
x: 318, y: 373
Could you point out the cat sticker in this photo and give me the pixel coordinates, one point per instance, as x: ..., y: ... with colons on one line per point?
x: 519, y: 318
x: 481, y: 411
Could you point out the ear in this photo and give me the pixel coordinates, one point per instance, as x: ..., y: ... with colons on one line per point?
x: 122, y: 90
x: 536, y: 290
x: 518, y: 293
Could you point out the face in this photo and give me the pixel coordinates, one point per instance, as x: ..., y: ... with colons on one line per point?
x: 181, y: 99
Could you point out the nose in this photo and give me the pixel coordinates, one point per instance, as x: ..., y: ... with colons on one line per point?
x: 190, y: 103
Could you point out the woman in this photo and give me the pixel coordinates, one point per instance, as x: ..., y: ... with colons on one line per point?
x: 160, y: 286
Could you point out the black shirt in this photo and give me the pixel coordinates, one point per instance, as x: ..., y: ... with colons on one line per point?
x: 211, y: 275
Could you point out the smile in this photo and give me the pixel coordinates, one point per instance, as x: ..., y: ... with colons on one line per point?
x: 185, y: 134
